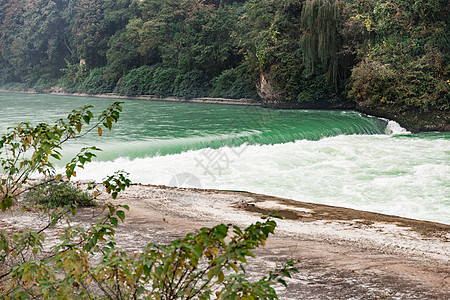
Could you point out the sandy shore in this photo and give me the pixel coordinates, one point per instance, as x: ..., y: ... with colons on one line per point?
x: 342, y: 253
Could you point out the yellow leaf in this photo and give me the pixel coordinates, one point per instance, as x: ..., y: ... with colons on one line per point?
x: 221, y: 277
x: 27, y: 283
x: 27, y: 141
x: 100, y: 131
x: 76, y: 270
x: 235, y: 268
x: 210, y: 274
x: 214, y: 251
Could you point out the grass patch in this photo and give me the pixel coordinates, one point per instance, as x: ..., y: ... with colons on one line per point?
x: 58, y: 194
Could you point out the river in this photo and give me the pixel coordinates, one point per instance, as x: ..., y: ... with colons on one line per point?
x: 340, y: 158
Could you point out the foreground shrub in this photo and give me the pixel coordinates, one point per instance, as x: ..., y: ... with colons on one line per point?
x: 86, y: 261
x: 209, y: 263
x: 55, y: 194
x: 26, y: 149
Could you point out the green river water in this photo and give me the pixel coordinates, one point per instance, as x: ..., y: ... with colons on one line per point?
x: 339, y: 158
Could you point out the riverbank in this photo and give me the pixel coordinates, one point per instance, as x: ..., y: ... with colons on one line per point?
x: 206, y: 100
x: 341, y: 253
x: 413, y: 121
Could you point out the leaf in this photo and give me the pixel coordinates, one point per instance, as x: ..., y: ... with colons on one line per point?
x: 100, y: 131
x: 27, y: 141
x: 86, y: 119
x: 210, y: 274
x: 221, y: 277
x: 235, y: 268
x: 214, y: 251
x: 121, y: 215
x: 282, y: 282
x: 114, y: 221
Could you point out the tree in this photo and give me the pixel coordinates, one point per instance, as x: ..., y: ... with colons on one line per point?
x: 87, y: 28
x: 405, y: 58
x: 321, y: 39
x: 31, y: 38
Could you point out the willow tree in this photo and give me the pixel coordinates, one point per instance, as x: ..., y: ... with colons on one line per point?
x: 321, y: 41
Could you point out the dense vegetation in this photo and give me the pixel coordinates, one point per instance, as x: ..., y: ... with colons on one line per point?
x: 390, y: 58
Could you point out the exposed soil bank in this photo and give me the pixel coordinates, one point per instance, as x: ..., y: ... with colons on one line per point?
x: 342, y: 253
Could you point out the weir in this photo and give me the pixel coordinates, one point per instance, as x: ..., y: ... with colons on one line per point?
x: 153, y: 128
x: 340, y: 158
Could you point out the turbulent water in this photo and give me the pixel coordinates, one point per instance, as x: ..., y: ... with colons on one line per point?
x: 339, y: 158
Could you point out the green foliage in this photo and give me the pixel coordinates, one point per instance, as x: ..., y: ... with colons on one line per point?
x: 233, y: 83
x: 163, y: 83
x: 73, y: 76
x: 96, y: 83
x: 321, y: 41
x: 208, y: 43
x: 27, y: 149
x: 31, y: 39
x: 44, y: 83
x: 116, y: 183
x: 405, y: 59
x: 207, y: 264
x: 53, y: 194
x: 136, y: 82
x: 88, y: 39
x: 373, y: 83
x: 121, y: 55
x: 194, y: 83
x: 6, y: 72
x: 309, y: 51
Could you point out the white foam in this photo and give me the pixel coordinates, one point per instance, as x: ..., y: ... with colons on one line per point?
x: 393, y: 127
x: 404, y: 177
